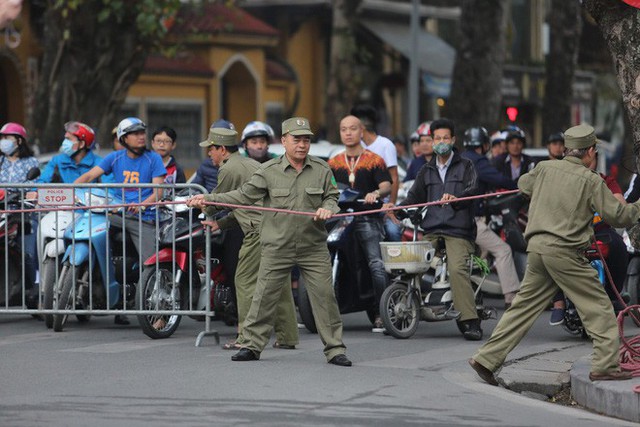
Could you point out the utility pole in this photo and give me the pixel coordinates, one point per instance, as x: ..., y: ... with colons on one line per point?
x: 414, y: 86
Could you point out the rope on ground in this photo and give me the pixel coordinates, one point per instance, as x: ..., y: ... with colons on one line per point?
x: 629, y: 348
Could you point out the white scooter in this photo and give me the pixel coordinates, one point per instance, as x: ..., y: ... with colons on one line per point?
x: 50, y: 250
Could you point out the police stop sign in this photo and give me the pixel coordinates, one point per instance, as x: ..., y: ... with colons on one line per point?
x: 55, y: 196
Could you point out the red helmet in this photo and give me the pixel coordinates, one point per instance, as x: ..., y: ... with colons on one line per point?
x: 14, y: 129
x: 424, y: 129
x: 82, y: 132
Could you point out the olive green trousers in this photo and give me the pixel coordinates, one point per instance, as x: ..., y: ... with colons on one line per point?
x: 274, y: 274
x: 579, y: 281
x: 286, y: 322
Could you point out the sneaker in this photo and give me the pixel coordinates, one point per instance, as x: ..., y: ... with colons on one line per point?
x: 378, y: 326
x: 557, y: 316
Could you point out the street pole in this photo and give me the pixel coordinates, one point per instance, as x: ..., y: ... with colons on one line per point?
x: 414, y: 86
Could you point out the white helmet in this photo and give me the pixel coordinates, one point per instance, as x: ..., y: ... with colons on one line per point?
x: 257, y: 129
x: 128, y: 125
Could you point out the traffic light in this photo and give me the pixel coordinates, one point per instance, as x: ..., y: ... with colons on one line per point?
x: 512, y: 113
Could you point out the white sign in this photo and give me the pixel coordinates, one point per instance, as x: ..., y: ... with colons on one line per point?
x: 55, y: 196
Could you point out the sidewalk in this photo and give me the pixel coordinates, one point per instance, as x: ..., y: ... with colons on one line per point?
x: 544, y: 374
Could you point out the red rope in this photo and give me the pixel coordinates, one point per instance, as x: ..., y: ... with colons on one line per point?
x: 629, y: 348
x: 252, y: 207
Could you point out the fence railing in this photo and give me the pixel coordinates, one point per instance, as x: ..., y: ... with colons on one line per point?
x: 99, y: 249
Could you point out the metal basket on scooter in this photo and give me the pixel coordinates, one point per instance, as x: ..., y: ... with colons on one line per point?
x: 407, y: 257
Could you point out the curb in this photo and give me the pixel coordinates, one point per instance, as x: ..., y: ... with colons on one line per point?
x: 613, y: 398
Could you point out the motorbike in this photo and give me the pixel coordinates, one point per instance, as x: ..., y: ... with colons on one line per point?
x: 51, y: 248
x: 90, y: 278
x: 420, y: 289
x: 349, y: 267
x: 12, y: 227
x: 572, y: 322
x: 631, y: 287
x: 175, y: 277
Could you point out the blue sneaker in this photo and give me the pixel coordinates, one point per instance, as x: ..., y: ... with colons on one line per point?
x: 557, y: 316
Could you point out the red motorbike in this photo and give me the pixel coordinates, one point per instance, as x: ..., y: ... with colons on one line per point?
x: 175, y: 277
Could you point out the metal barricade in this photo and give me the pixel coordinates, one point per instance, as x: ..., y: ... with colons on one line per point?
x: 98, y: 255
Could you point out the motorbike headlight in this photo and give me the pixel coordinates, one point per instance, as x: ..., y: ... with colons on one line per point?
x: 336, y: 232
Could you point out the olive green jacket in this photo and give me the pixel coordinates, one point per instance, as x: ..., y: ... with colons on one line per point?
x: 280, y: 186
x: 564, y: 197
x: 235, y: 171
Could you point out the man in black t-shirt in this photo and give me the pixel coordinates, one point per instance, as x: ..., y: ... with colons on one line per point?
x: 365, y: 172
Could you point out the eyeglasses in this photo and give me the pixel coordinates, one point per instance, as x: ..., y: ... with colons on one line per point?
x: 162, y: 141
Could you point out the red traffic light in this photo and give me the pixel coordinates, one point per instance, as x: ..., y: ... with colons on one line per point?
x: 512, y: 113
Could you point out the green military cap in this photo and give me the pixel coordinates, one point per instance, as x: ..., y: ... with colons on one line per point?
x: 221, y: 136
x: 296, y: 126
x: 581, y: 136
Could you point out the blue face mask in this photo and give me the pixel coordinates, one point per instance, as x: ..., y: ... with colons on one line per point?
x: 67, y: 147
x: 442, y: 148
x: 8, y: 146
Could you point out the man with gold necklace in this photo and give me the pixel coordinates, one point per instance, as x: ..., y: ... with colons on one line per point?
x: 366, y: 172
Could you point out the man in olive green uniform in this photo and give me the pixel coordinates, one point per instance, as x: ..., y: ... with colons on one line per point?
x: 235, y: 170
x: 564, y: 196
x: 294, y: 181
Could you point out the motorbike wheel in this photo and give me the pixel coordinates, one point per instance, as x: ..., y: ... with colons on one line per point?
x: 304, y: 307
x: 65, y: 298
x: 400, y: 320
x: 156, y: 287
x: 48, y: 282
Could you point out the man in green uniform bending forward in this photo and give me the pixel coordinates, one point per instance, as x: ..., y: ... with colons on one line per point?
x: 564, y: 194
x: 235, y: 170
x: 293, y: 181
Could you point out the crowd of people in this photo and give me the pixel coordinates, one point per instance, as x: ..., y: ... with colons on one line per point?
x: 265, y: 252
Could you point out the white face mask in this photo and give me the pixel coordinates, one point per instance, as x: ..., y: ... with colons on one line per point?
x: 8, y: 146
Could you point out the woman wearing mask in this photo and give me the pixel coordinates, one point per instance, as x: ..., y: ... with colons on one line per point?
x: 17, y: 157
x: 15, y: 162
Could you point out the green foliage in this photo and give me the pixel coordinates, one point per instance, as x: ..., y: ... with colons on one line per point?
x: 152, y: 17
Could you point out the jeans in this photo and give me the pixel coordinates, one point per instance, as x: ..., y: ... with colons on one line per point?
x: 368, y: 231
x: 392, y: 230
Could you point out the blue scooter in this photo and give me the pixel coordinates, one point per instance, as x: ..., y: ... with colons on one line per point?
x: 90, y: 278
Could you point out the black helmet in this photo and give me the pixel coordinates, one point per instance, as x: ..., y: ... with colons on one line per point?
x: 556, y: 137
x: 475, y: 137
x: 514, y: 132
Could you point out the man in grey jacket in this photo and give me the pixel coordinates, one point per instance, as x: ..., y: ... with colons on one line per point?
x: 445, y: 178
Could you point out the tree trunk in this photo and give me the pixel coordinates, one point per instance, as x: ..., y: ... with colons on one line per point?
x: 620, y: 27
x: 477, y: 74
x: 342, y: 83
x: 565, y: 27
x: 86, y: 75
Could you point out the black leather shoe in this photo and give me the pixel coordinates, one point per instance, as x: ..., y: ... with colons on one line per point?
x: 340, y: 360
x: 483, y: 372
x: 471, y: 330
x: 245, y: 355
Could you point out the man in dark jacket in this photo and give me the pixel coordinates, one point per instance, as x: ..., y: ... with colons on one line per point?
x: 447, y: 177
x: 514, y: 164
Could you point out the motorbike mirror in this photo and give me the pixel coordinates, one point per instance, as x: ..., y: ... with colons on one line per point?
x: 33, y: 173
x: 348, y: 195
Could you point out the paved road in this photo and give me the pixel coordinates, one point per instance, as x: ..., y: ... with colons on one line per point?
x: 100, y: 374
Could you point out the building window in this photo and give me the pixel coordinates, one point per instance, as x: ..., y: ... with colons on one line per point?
x: 275, y: 116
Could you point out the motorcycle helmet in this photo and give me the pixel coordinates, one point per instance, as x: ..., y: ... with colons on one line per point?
x: 475, y: 137
x: 14, y: 129
x: 129, y: 125
x: 222, y: 123
x: 254, y: 129
x: 424, y: 129
x: 415, y: 137
x: 556, y: 137
x: 514, y: 132
x: 82, y: 132
x: 498, y: 136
